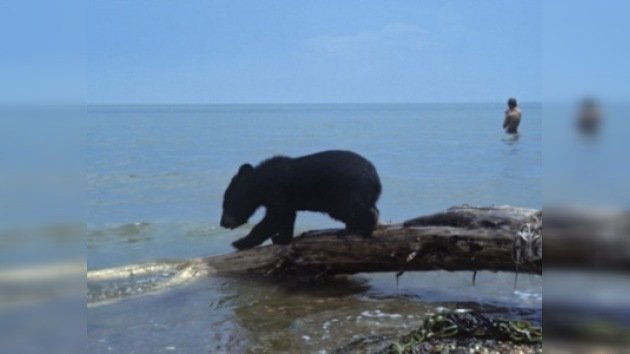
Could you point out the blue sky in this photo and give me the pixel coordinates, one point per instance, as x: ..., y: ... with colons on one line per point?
x: 264, y: 51
x: 191, y: 51
x: 585, y: 50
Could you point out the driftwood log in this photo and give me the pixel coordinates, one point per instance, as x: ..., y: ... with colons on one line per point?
x: 461, y: 238
x: 587, y: 239
x: 499, y: 238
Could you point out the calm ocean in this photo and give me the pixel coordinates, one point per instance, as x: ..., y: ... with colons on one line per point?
x: 156, y: 176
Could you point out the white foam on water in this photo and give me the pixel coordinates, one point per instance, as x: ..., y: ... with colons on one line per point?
x: 148, y: 278
x: 380, y: 314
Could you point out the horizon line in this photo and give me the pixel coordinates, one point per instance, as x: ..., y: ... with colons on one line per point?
x: 283, y: 103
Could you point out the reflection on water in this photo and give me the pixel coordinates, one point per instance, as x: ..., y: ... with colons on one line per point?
x: 292, y: 315
x: 512, y: 139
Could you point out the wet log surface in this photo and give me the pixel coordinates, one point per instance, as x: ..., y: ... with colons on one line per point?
x: 459, y: 239
x: 587, y: 239
x: 501, y: 238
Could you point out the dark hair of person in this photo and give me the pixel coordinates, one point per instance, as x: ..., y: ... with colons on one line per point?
x: 588, y: 102
x: 512, y: 102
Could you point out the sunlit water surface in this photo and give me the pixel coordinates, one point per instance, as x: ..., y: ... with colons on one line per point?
x: 156, y: 175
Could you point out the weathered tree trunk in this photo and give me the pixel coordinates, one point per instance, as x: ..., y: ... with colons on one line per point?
x: 499, y: 238
x: 460, y: 238
x: 587, y: 239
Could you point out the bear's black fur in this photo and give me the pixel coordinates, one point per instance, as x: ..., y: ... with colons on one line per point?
x: 342, y: 184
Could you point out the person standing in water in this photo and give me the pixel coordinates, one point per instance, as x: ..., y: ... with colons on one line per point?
x: 589, y: 117
x: 512, y: 117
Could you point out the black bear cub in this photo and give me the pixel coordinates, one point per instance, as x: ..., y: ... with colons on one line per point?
x: 342, y: 184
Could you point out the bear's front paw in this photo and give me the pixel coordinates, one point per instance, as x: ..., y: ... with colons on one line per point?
x: 281, y: 240
x: 366, y: 234
x: 242, y: 244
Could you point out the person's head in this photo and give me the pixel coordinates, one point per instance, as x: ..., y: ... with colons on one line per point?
x: 589, y: 103
x: 512, y: 102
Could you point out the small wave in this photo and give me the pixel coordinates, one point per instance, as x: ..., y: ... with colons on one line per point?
x: 106, y: 286
x: 131, y: 229
x: 379, y: 314
x: 30, y: 284
x: 528, y: 295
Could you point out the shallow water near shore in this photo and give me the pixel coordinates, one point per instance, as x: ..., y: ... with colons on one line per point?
x: 156, y: 176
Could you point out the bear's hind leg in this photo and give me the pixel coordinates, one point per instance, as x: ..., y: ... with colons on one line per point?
x: 286, y: 223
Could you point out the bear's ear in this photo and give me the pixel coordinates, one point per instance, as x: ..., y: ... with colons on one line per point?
x: 245, y: 169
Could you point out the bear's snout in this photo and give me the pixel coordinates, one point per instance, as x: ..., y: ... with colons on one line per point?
x: 228, y: 222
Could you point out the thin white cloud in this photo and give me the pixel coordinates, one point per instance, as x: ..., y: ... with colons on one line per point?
x: 393, y: 36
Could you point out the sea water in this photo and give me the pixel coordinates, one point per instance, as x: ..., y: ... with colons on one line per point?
x: 155, y: 181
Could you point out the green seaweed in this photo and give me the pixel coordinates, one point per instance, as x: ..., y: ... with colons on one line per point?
x: 465, y: 324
